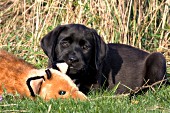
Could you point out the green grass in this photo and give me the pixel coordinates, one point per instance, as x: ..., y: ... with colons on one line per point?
x: 153, y: 101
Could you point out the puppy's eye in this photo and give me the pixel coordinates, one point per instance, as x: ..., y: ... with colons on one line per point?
x: 65, y: 44
x: 61, y: 92
x: 85, y: 47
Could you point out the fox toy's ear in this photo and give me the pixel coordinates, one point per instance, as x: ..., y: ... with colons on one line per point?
x: 34, y: 85
x: 63, y: 67
x: 48, y: 72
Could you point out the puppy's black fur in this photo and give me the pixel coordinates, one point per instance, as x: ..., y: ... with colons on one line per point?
x: 92, y: 61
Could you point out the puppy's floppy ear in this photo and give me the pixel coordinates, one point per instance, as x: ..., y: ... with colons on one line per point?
x: 100, y: 48
x: 48, y: 42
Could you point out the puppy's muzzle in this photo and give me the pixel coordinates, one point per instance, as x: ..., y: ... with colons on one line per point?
x: 72, y: 59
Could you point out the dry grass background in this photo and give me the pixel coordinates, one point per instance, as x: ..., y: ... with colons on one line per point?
x: 143, y: 24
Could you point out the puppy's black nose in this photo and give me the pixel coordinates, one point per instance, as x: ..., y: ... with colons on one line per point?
x: 73, y: 59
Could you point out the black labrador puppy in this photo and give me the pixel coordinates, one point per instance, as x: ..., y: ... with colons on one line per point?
x: 92, y: 61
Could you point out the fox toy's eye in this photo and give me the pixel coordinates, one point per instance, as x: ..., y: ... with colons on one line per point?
x: 61, y: 92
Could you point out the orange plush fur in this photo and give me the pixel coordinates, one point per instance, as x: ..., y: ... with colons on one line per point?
x: 15, y: 73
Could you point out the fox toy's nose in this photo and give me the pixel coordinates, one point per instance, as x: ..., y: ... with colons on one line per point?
x: 79, y: 95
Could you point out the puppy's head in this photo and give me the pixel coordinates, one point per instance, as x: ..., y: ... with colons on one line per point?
x: 80, y: 47
x: 54, y: 85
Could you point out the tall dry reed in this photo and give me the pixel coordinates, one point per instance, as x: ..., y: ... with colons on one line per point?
x: 144, y: 24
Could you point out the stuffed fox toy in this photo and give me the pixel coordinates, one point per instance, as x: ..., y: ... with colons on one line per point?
x: 18, y: 76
